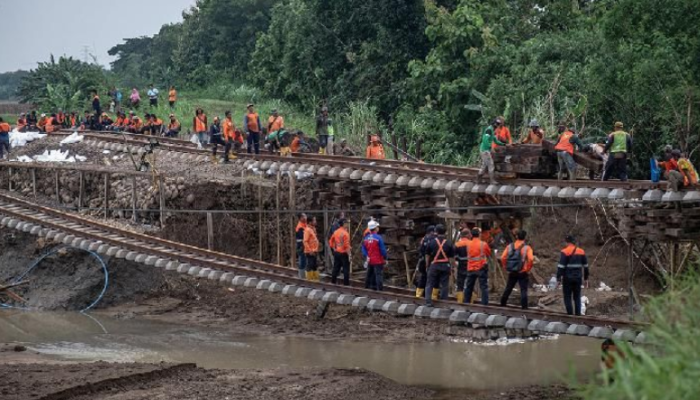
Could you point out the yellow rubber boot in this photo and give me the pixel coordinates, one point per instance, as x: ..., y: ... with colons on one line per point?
x: 322, y: 150
x: 214, y: 160
x: 420, y: 293
x: 460, y: 297
x: 436, y: 293
x: 317, y: 276
x: 309, y: 275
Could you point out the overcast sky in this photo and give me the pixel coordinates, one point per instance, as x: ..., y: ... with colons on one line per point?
x: 32, y: 30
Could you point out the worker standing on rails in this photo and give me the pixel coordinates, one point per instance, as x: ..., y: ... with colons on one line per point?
x: 502, y: 133
x: 4, y: 139
x: 299, y: 235
x: 216, y: 138
x: 311, y: 249
x: 229, y: 136
x: 199, y: 123
x: 462, y: 257
x: 275, y: 122
x: 535, y: 135
x: 618, y: 145
x: 375, y: 254
x: 422, y: 269
x: 488, y: 138
x: 477, y: 268
x: 323, y: 123
x: 253, y: 129
x: 572, y: 272
x: 441, y: 251
x: 565, y: 152
x: 340, y: 246
x: 517, y: 260
x: 375, y: 149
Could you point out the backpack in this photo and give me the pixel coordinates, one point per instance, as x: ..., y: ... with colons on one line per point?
x: 515, y: 262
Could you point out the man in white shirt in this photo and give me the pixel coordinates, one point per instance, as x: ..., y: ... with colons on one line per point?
x: 153, y: 96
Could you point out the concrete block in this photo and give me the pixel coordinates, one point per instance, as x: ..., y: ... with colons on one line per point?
x: 496, y: 321
x: 251, y: 282
x: 194, y: 271
x: 172, y: 265
x: 323, y: 170
x: 616, y: 194
x: 183, y: 268
x: 440, y: 313
x: 465, y: 187
x: 376, y: 304
x: 516, y: 323
x: 478, y: 319
x: 625, y: 335
x: 315, y: 294
x: 13, y: 224
x: 95, y: 246
x: 556, y: 327
x: 693, y: 196
x: 537, y: 325
x: 289, y: 290
x: 479, y: 188
x: 214, y: 275
x: 567, y: 193
x: 379, y: 178
x: 439, y: 184
x: 583, y: 193
x: 360, y: 302
x: 506, y: 190
x: 345, y: 173
x: 427, y: 183
x: 578, y: 330
x: 302, y: 292
x: 150, y: 260
x: 35, y: 230
x: 161, y: 263
x: 4, y: 221
x: 263, y: 285
x: 112, y: 251
x: 131, y: 256
x: 333, y: 172
x: 672, y: 196
x: 67, y: 239
x: 390, y: 179
x: 492, y: 189
x: 27, y: 227
x: 522, y: 190
x: 121, y: 253
x: 330, y: 297
x: 226, y: 278
x: 391, y: 307
x: 275, y: 287
x: 239, y: 280
x: 551, y: 191
x: 537, y: 191
x: 600, y: 193
x: 459, y: 317
x: 368, y: 176
x: 76, y: 242
x: 19, y: 225
x: 85, y: 244
x: 452, y: 186
x: 402, y: 180
x: 415, y: 182
x: 423, y: 311
x: 345, y: 299
x: 601, y: 332
x: 357, y: 174
x: 141, y: 258
x: 407, y: 309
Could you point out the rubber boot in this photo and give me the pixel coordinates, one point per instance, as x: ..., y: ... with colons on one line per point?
x: 309, y: 275
x: 232, y: 156
x: 317, y: 276
x: 214, y: 160
x: 321, y: 150
x: 436, y: 293
x: 420, y: 293
x: 460, y: 297
x: 572, y: 175
x: 302, y: 274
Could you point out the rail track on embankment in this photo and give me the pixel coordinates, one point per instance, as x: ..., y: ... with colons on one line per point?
x: 403, y: 173
x: 68, y: 228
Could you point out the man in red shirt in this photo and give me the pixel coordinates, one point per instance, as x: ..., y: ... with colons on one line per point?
x: 375, y: 255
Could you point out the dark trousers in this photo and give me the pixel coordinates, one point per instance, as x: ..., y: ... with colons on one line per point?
x: 461, y: 277
x: 254, y: 142
x: 375, y: 277
x: 522, y: 280
x: 483, y: 276
x: 311, y: 262
x: 438, y: 276
x: 322, y: 141
x: 4, y: 144
x: 227, y: 149
x: 172, y: 133
x: 422, y: 278
x: 572, y: 289
x: 617, y: 166
x: 301, y: 262
x: 216, y: 140
x: 341, y: 261
x: 154, y: 102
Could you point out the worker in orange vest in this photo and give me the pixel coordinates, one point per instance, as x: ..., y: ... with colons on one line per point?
x: 441, y: 252
x: 572, y: 273
x: 275, y: 122
x: 565, y: 151
x: 340, y: 245
x: 535, y: 135
x: 462, y: 257
x: 230, y: 138
x: 4, y: 138
x: 502, y: 133
x: 174, y: 127
x: 172, y: 96
x: 299, y: 236
x: 200, y: 125
x: 375, y: 150
x: 252, y: 128
x: 311, y: 249
x: 478, y: 268
x: 41, y: 124
x: 21, y: 123
x: 517, y: 260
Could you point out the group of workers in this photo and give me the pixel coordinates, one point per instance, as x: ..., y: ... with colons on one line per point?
x: 676, y: 169
x: 614, y: 150
x: 467, y: 260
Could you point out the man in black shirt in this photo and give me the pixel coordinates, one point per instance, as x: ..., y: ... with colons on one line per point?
x: 441, y: 251
x: 422, y: 272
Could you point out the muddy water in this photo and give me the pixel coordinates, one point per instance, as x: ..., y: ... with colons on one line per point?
x: 443, y: 365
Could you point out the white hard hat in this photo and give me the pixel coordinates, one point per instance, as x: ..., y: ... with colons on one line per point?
x: 372, y: 225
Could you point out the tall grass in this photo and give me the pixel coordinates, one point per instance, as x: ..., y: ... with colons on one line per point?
x: 668, y: 369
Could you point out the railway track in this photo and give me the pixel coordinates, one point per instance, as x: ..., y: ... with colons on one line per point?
x: 79, y: 232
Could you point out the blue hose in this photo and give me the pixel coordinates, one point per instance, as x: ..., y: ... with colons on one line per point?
x: 52, y: 252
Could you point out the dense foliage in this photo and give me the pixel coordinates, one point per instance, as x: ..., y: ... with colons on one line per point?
x: 9, y: 83
x: 66, y: 84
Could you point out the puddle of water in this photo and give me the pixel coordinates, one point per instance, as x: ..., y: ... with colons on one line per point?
x: 441, y: 365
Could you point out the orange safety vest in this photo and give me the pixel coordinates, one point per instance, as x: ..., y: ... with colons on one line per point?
x: 440, y: 255
x: 158, y: 121
x: 296, y: 145
x: 61, y: 118
x: 73, y: 121
x: 5, y: 127
x: 477, y: 255
x: 340, y: 241
x: 136, y: 123
x: 200, y: 123
x: 172, y: 96
x: 565, y: 143
x: 502, y: 133
x: 311, y: 244
x: 49, y: 125
x: 229, y: 129
x: 274, y: 123
x: 253, y: 122
x: 375, y: 152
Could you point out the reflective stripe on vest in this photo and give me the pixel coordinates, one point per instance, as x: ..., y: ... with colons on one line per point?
x: 565, y: 143
x: 619, y: 142
x: 481, y: 254
x: 440, y: 256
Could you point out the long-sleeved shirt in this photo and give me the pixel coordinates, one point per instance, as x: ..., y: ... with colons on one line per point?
x: 340, y: 240
x: 311, y: 244
x: 488, y: 138
x: 299, y: 234
x: 573, y: 263
x: 529, y: 258
x: 373, y: 249
x: 611, y: 140
x: 251, y: 126
x: 440, y: 250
